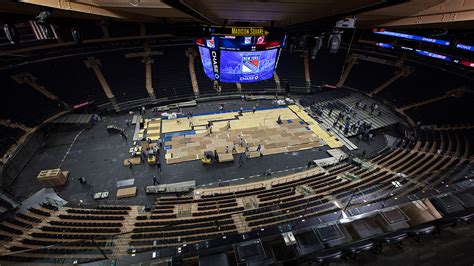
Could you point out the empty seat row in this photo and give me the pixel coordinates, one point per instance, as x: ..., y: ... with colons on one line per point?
x: 185, y: 221
x: 183, y: 234
x: 39, y: 212
x: 101, y: 212
x: 9, y: 229
x: 85, y: 243
x: 80, y: 229
x: 110, y: 207
x: 19, y: 223
x: 28, y: 218
x: 84, y: 224
x: 64, y: 236
x: 90, y: 217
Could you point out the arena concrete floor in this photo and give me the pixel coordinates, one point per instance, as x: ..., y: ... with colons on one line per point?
x: 97, y: 156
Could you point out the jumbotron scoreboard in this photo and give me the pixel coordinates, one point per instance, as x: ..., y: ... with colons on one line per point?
x: 240, y: 54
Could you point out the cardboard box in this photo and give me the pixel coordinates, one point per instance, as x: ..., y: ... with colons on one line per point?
x: 53, y: 177
x: 126, y: 192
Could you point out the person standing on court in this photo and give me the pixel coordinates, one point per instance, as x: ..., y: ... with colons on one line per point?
x: 240, y: 162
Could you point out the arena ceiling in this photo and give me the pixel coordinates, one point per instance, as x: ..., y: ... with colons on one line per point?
x: 280, y: 13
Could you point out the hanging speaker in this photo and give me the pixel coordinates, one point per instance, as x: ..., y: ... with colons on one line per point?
x: 10, y: 33
x: 334, y: 42
x: 76, y: 36
x: 318, y: 42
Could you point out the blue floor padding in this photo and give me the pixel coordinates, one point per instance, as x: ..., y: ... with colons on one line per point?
x: 168, y: 147
x: 289, y: 121
x: 170, y: 135
x: 302, y: 122
x: 308, y: 128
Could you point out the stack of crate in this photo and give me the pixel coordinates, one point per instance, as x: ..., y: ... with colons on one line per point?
x: 52, y: 177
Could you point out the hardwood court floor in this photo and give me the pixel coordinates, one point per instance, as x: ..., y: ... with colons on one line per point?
x: 294, y: 134
x: 153, y: 127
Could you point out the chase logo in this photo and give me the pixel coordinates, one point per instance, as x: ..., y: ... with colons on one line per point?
x: 250, y: 63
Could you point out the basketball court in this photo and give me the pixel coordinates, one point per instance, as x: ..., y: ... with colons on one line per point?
x: 187, y: 138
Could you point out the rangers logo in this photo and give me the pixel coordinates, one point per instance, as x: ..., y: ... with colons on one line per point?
x: 250, y: 63
x: 211, y: 43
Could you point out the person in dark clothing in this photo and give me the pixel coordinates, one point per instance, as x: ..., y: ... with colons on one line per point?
x: 155, y: 181
x: 130, y: 165
x: 158, y: 165
x: 240, y: 162
x: 123, y: 135
x: 267, y: 172
x: 279, y: 120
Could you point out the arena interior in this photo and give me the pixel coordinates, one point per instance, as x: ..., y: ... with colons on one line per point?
x: 224, y: 132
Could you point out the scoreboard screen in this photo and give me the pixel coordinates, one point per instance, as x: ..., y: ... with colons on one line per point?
x: 232, y: 58
x: 247, y: 66
x: 206, y: 62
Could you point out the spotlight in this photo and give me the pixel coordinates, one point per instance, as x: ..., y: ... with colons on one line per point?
x: 318, y: 42
x: 135, y: 3
x: 334, y: 42
x: 346, y: 23
x: 76, y: 36
x: 43, y: 16
x: 10, y: 33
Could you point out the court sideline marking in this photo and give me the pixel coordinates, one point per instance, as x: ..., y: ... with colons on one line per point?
x: 70, y: 146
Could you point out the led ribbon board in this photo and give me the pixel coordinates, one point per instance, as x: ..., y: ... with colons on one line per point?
x: 434, y: 55
x: 384, y: 45
x: 465, y: 47
x: 429, y: 54
x: 411, y: 37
